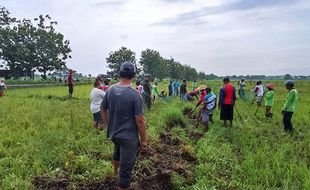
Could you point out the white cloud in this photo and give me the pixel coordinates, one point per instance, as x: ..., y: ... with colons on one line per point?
x: 218, y: 36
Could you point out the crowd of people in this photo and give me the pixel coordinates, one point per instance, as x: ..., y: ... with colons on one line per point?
x: 120, y: 109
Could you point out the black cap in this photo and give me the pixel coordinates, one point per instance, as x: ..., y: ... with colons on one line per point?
x: 128, y: 68
x: 289, y: 83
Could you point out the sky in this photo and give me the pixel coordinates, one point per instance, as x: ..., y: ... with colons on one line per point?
x: 224, y: 37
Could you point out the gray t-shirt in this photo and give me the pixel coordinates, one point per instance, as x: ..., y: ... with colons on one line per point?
x: 123, y: 104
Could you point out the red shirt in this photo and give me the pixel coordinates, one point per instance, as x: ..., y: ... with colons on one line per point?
x: 70, y: 81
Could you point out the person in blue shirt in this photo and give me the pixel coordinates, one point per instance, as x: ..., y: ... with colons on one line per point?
x: 176, y: 85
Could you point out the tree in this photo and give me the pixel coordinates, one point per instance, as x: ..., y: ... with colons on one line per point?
x: 287, y: 77
x: 202, y: 76
x: 25, y: 47
x: 116, y: 58
x: 52, y: 50
x: 153, y: 64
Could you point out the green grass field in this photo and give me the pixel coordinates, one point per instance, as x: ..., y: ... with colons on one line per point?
x: 46, y: 137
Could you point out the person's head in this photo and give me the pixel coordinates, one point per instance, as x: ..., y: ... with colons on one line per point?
x: 208, y: 90
x: 226, y: 80
x: 106, y: 81
x: 270, y: 87
x: 259, y: 82
x: 97, y: 83
x: 184, y: 81
x: 70, y: 71
x: 127, y: 70
x: 242, y: 80
x: 138, y: 83
x: 289, y: 84
x: 156, y: 83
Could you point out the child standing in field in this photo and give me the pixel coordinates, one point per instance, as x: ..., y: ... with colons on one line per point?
x: 96, y: 97
x: 259, y: 92
x: 154, y: 91
x: 269, y: 100
x: 2, y: 87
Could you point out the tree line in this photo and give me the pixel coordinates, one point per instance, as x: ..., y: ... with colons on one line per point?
x: 153, y: 63
x: 29, y: 45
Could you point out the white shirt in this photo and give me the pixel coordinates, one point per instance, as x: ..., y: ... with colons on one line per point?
x: 96, y: 96
x: 260, y: 91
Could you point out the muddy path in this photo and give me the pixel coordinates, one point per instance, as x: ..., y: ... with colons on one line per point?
x: 154, y: 169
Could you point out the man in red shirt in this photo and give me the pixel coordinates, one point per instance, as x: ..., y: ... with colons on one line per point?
x: 227, y: 101
x: 70, y: 81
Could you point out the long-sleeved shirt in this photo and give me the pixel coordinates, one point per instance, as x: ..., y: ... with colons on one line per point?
x: 291, y: 101
x: 269, y: 98
x: 227, y: 95
x: 183, y: 89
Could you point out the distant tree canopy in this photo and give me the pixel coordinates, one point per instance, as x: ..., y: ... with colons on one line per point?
x: 26, y: 46
x: 116, y: 58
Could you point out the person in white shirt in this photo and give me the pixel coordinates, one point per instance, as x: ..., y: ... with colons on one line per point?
x: 259, y: 92
x: 96, y: 97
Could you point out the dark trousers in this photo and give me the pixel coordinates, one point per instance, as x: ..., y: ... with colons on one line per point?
x: 147, y: 100
x: 70, y: 88
x: 287, y: 117
x: 125, y: 151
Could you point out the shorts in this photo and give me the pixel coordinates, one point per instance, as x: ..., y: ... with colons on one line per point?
x: 125, y: 151
x: 227, y: 112
x: 97, y: 117
x: 259, y: 99
x: 205, y: 116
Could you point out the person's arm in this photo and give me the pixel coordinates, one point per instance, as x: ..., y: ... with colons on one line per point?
x: 221, y: 97
x: 156, y: 90
x: 140, y: 121
x: 234, y: 95
x: 141, y: 125
x: 104, y: 111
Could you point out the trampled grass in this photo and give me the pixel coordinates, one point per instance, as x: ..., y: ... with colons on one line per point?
x: 43, y: 133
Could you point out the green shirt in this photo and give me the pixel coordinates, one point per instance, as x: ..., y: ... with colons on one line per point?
x: 154, y: 90
x: 291, y: 101
x: 269, y: 98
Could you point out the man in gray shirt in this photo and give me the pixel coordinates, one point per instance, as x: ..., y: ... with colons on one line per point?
x: 122, y: 108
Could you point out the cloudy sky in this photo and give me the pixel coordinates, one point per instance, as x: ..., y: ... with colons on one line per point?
x: 223, y: 37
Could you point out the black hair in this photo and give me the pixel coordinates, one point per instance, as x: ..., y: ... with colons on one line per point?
x: 127, y: 75
x: 226, y: 79
x: 208, y: 89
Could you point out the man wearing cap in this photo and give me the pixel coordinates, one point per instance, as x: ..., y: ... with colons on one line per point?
x: 269, y: 100
x: 122, y: 108
x: 289, y: 106
x: 227, y: 101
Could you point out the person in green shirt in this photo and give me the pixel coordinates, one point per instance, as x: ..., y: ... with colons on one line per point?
x: 195, y: 85
x: 155, y: 91
x: 289, y: 106
x: 269, y: 100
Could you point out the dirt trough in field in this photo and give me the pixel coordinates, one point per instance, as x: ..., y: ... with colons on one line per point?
x: 44, y: 182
